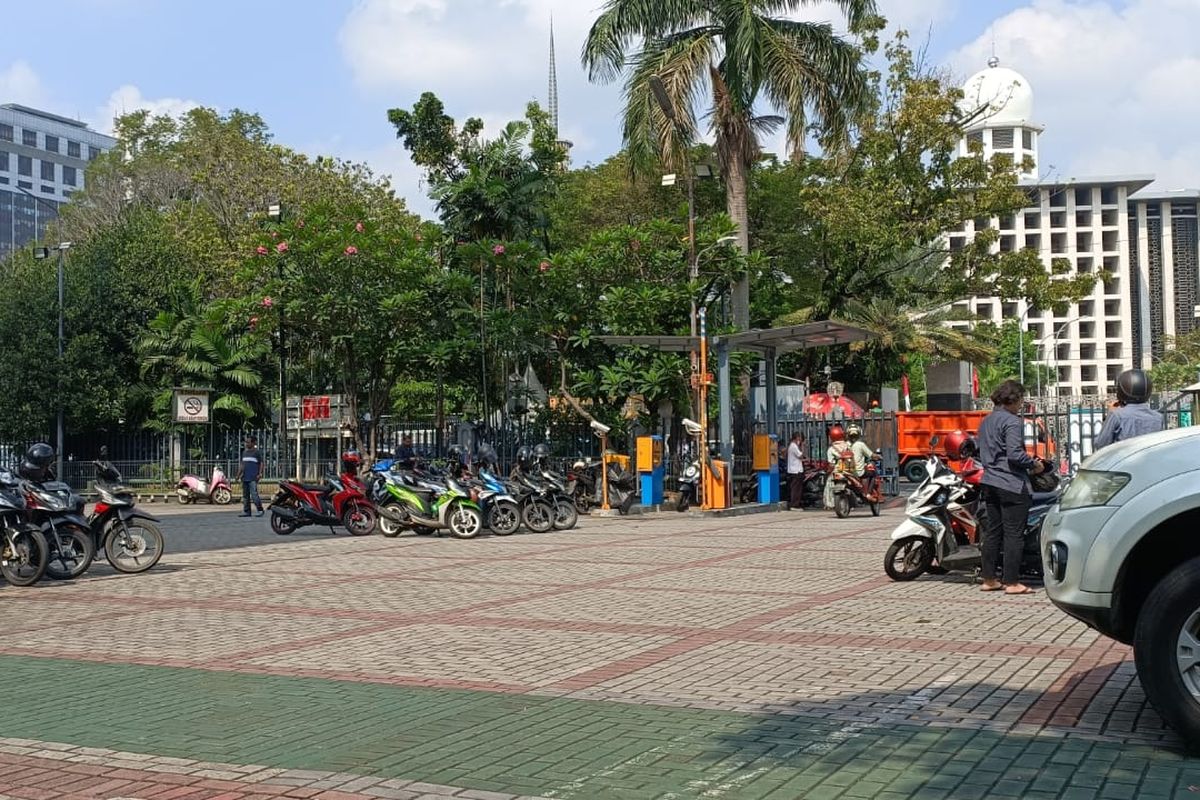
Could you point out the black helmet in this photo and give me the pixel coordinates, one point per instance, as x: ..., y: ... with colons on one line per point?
x: 523, y: 456
x: 37, y: 465
x: 1134, y: 386
x: 457, y: 452
x: 541, y: 452
x: 1046, y: 481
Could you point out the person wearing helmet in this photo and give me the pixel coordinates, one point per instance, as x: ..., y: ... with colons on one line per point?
x: 838, y: 447
x: 859, y: 449
x: 1007, y: 493
x: 249, y: 471
x: 37, y: 464
x: 1132, y: 416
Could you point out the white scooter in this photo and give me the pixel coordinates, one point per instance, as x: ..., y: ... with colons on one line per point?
x: 941, y: 506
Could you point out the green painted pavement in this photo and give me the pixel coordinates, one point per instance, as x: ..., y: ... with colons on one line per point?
x: 556, y: 747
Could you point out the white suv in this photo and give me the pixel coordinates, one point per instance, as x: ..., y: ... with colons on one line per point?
x: 1122, y: 553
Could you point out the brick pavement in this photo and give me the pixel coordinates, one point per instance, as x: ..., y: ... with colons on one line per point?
x: 681, y: 646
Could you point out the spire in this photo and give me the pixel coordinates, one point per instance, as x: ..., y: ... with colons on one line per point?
x: 553, y: 80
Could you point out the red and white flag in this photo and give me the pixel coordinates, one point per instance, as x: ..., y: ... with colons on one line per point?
x: 974, y: 383
x: 904, y: 391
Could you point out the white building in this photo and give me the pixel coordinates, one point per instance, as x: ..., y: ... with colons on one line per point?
x: 1098, y: 225
x: 43, y: 156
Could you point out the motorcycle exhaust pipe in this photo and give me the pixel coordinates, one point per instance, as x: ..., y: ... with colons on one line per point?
x: 285, y: 512
x: 392, y: 513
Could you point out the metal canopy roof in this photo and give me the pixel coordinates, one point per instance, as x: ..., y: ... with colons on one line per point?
x: 781, y: 340
x: 797, y: 337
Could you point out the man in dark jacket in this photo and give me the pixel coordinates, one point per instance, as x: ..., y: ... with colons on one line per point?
x: 1007, y: 494
x: 1132, y: 415
x: 249, y: 471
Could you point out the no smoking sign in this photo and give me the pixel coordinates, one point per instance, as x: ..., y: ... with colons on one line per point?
x: 191, y: 406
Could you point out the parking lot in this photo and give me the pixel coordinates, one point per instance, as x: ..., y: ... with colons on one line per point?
x: 645, y: 657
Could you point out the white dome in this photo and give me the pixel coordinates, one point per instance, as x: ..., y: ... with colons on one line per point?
x: 1003, y: 93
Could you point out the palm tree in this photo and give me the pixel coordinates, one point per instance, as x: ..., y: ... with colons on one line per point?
x: 742, y: 52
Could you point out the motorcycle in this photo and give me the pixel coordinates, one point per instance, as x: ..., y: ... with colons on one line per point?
x: 586, y: 476
x: 943, y: 529
x: 562, y: 491
x: 192, y: 488
x: 131, y: 539
x: 689, y: 483
x: 814, y: 476
x: 337, y: 501
x: 58, y: 513
x: 23, y: 550
x: 501, y: 512
x: 539, y: 506
x: 424, y: 504
x: 851, y: 491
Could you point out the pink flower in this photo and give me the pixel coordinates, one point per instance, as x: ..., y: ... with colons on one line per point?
x: 358, y: 227
x: 267, y: 302
x: 253, y: 322
x: 544, y: 266
x: 498, y: 250
x: 260, y: 250
x: 351, y: 250
x: 274, y: 234
x: 282, y: 247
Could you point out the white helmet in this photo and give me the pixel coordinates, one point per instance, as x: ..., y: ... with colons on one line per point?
x: 853, y: 430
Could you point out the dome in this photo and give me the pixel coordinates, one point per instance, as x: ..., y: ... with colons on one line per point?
x: 1003, y: 93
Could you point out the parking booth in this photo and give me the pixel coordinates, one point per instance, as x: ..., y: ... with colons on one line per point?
x: 718, y: 485
x: 651, y: 469
x: 766, y: 466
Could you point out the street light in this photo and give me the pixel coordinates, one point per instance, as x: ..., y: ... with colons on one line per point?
x: 275, y: 214
x: 1054, y: 337
x: 42, y: 253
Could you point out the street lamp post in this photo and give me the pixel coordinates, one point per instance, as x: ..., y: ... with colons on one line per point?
x: 44, y: 253
x: 1054, y: 340
x: 275, y: 214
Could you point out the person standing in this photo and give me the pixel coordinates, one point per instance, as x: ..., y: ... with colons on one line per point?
x: 1007, y: 494
x: 795, y: 471
x: 249, y: 471
x: 1132, y: 415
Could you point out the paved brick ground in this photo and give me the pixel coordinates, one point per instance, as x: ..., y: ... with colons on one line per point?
x: 663, y: 657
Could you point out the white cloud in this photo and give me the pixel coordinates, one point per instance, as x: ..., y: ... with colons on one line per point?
x: 1116, y: 85
x: 20, y: 84
x: 129, y: 98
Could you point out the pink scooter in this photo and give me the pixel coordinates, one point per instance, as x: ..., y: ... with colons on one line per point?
x: 192, y: 488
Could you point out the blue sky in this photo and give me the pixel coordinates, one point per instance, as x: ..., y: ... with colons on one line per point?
x: 1117, y: 82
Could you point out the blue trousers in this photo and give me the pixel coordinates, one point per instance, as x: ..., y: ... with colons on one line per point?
x: 250, y: 493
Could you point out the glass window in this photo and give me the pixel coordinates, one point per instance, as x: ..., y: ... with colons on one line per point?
x: 1027, y: 139
x: 24, y: 165
x: 93, y: 151
x: 25, y: 184
x: 6, y: 132
x: 68, y: 175
x: 3, y: 161
x: 47, y: 170
x: 1002, y: 138
x: 29, y: 138
x: 72, y: 149
x: 52, y: 143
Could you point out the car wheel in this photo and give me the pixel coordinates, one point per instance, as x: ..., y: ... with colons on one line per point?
x: 1166, y: 648
x: 914, y: 471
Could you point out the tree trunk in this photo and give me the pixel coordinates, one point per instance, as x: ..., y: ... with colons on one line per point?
x: 736, y: 188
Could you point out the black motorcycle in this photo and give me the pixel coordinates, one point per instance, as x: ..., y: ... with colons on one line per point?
x: 23, y: 549
x: 131, y: 539
x: 58, y: 513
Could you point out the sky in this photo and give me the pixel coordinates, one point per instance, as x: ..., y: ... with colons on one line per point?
x: 1116, y: 82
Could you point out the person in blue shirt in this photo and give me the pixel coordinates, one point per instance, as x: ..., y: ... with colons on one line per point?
x: 249, y: 471
x: 1007, y: 494
x: 1132, y: 415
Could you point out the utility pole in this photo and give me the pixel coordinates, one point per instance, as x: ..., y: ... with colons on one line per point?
x: 43, y: 253
x: 275, y: 214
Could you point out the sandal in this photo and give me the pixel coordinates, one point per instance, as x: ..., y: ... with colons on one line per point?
x: 996, y: 588
x: 1022, y: 590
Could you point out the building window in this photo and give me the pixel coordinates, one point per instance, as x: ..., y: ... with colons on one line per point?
x: 1112, y: 308
x: 1109, y: 196
x: 25, y: 184
x: 1058, y: 243
x: 1002, y: 138
x: 72, y: 149
x: 1008, y: 243
x: 1034, y: 199
x: 1033, y: 241
x: 975, y: 138
x: 1087, y: 308
x: 1083, y: 241
x: 93, y: 152
x: 1058, y: 199
x: 1027, y: 139
x: 47, y: 170
x: 1033, y: 220
x: 1114, y: 351
x: 1112, y: 330
x: 1058, y: 219
x: 1110, y: 218
x: 3, y: 161
x: 29, y: 138
x: 52, y: 143
x: 6, y: 132
x: 68, y: 175
x: 47, y: 189
x: 25, y: 166
x: 1083, y: 219
x: 1110, y: 241
x: 1008, y: 222
x: 1083, y: 198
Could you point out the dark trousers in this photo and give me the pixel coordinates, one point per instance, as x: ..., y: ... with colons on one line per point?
x: 1007, y: 514
x: 250, y: 494
x: 796, y: 490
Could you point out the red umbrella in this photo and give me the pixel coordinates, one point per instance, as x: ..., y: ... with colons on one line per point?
x: 821, y: 404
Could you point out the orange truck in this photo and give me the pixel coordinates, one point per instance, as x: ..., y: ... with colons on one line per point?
x: 916, y: 429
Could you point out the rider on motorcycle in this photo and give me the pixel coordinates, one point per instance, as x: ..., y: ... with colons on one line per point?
x: 838, y: 447
x: 859, y: 449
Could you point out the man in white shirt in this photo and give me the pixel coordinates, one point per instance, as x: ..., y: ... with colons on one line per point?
x: 795, y: 470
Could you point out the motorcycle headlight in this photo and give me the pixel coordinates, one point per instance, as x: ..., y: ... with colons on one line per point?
x: 1093, y: 488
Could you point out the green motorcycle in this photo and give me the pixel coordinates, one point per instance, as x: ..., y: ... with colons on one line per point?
x: 406, y: 501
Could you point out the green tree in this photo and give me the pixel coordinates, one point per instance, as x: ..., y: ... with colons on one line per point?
x: 746, y: 53
x: 1010, y: 352
x: 1179, y: 364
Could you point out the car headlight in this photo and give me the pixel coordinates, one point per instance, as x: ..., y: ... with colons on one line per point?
x: 1093, y: 488
x: 1057, y: 553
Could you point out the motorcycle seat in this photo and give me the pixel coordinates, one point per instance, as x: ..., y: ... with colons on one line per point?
x: 312, y: 487
x: 1045, y: 498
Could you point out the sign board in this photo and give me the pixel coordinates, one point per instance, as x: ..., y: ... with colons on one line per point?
x: 314, y: 408
x: 191, y: 406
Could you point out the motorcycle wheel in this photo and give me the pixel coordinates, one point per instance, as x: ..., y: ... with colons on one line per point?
x: 71, y: 555
x: 25, y: 563
x: 876, y: 509
x: 908, y: 558
x: 565, y: 515
x: 388, y: 526
x: 583, y: 503
x: 841, y: 505
x: 685, y: 500
x: 464, y: 522
x: 504, y: 518
x: 538, y: 516
x: 282, y: 526
x: 185, y: 497
x: 222, y: 496
x: 359, y: 519
x: 134, y: 546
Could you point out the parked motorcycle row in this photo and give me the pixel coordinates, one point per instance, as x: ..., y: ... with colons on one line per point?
x: 45, y: 532
x: 430, y: 499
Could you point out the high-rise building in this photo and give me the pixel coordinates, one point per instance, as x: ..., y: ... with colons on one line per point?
x: 1144, y: 246
x: 43, y: 158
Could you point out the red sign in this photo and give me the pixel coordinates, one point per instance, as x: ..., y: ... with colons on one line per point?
x: 314, y: 408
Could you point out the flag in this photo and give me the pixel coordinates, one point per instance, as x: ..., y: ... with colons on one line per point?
x: 974, y: 382
x: 904, y: 391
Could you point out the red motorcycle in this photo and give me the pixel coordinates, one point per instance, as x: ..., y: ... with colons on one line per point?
x: 338, y: 501
x: 850, y: 490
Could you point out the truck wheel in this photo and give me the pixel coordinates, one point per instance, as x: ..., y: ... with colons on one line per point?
x: 1166, y: 648
x: 914, y: 471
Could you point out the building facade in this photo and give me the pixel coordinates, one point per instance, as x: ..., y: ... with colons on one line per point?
x: 43, y: 158
x: 1145, y: 248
